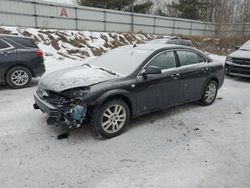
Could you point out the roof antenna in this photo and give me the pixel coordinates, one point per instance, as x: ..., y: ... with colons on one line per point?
x: 134, y: 45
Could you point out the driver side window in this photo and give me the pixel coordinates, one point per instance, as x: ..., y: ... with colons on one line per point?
x: 164, y: 60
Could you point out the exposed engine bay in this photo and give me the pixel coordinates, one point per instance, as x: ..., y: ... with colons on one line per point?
x: 66, y: 112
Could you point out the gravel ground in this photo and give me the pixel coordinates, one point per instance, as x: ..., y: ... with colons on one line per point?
x: 186, y: 146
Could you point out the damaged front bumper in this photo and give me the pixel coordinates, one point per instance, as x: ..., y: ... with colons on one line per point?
x: 65, y: 113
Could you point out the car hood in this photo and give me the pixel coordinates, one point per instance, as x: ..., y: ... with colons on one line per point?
x: 240, y: 54
x: 80, y: 76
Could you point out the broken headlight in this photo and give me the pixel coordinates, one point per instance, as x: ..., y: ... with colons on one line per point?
x: 72, y: 113
x: 73, y: 108
x: 75, y: 94
x: 229, y: 59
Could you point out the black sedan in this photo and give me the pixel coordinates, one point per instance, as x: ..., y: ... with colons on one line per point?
x: 128, y: 82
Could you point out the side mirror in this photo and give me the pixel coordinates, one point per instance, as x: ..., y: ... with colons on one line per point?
x: 237, y: 48
x: 151, y: 70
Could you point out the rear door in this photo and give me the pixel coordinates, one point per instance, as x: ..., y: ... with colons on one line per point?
x: 7, y: 57
x: 194, y: 71
x: 158, y: 91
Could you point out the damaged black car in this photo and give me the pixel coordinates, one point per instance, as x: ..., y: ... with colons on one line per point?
x: 125, y: 83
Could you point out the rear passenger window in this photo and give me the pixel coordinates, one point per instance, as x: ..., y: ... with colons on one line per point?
x: 24, y: 42
x: 164, y: 61
x: 3, y: 45
x: 189, y: 58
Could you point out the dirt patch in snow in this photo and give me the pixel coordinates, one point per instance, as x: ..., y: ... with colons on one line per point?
x: 83, y: 44
x: 217, y: 45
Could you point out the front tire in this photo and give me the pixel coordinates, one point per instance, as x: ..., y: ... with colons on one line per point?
x: 111, y: 118
x: 18, y: 77
x: 210, y: 93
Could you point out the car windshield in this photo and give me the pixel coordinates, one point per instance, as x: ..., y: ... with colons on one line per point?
x: 124, y: 60
x: 246, y: 46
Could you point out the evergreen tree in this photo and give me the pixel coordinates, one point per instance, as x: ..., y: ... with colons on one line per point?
x: 108, y: 4
x: 142, y: 8
x: 189, y: 9
x: 125, y: 5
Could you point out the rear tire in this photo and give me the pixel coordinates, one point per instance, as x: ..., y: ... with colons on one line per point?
x: 111, y: 118
x: 210, y: 93
x: 18, y: 77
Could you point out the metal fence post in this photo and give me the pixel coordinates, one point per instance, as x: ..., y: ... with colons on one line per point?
x: 204, y: 32
x: 243, y: 28
x: 173, y: 26
x: 132, y: 22
x: 35, y: 13
x: 76, y: 18
x: 191, y: 28
x: 154, y: 25
x: 105, y: 20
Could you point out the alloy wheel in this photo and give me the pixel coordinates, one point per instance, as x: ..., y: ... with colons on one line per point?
x: 210, y: 93
x: 19, y: 78
x: 113, y: 119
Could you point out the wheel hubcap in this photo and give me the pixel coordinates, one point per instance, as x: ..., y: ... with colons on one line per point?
x: 210, y: 93
x: 113, y: 118
x: 19, y: 78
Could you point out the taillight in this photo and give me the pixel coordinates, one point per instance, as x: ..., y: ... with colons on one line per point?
x: 39, y: 53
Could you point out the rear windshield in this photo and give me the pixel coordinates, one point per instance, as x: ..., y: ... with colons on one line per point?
x: 180, y: 42
x: 158, y: 41
x: 26, y: 42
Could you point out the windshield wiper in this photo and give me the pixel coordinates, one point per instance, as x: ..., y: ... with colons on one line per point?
x: 108, y: 71
x: 86, y: 64
x: 100, y: 68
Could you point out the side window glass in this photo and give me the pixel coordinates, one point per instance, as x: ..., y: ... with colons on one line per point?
x: 24, y: 42
x: 164, y: 61
x: 189, y: 58
x: 3, y: 45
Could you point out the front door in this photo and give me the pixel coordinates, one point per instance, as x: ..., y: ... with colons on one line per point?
x: 155, y: 92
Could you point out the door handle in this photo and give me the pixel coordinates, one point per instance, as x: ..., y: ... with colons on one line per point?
x: 204, y: 70
x: 5, y: 53
x: 175, y: 76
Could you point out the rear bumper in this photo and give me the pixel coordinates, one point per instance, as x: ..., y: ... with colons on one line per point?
x: 38, y: 71
x: 237, y: 70
x: 45, y: 107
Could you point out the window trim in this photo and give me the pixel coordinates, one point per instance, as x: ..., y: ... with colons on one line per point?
x: 8, y: 48
x: 164, y: 70
x: 189, y: 50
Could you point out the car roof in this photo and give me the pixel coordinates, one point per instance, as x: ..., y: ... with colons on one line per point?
x: 155, y: 47
x: 158, y: 47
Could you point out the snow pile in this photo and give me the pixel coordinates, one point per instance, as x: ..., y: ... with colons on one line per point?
x: 76, y: 45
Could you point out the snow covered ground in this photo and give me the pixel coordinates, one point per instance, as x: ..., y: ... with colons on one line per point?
x: 188, y: 146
